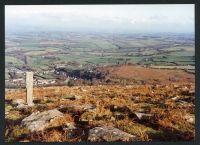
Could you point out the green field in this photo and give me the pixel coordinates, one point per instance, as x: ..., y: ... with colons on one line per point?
x: 87, y: 49
x: 14, y: 60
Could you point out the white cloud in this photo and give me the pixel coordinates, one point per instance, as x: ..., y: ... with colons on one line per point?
x: 127, y: 16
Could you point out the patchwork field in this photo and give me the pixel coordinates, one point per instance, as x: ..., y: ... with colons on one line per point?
x: 99, y: 49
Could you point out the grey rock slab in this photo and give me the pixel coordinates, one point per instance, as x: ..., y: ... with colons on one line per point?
x: 38, y: 121
x: 23, y: 106
x: 142, y: 116
x: 18, y: 102
x: 109, y: 134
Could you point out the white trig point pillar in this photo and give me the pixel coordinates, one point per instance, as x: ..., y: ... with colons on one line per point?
x: 29, y: 88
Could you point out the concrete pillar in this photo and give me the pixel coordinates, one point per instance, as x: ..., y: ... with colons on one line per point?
x: 29, y: 88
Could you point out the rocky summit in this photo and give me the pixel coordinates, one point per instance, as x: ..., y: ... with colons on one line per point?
x: 104, y: 113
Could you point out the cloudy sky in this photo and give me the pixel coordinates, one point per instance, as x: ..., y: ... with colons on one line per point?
x: 101, y: 18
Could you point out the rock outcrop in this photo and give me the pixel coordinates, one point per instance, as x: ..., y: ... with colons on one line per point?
x: 108, y: 133
x: 143, y: 116
x: 38, y: 121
